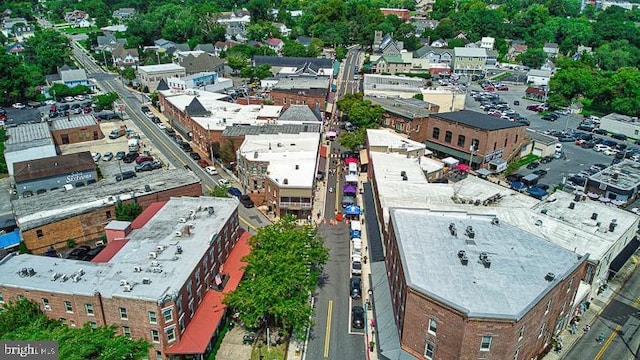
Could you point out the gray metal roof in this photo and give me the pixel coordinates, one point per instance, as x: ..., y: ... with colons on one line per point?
x: 286, y: 61
x: 478, y: 120
x: 541, y: 138
x: 73, y: 75
x: 298, y: 113
x: 165, y: 274
x: 302, y: 82
x: 56, y: 205
x: 240, y: 130
x: 408, y: 108
x: 72, y: 122
x: 624, y: 175
x: 27, y: 136
x: 508, y: 289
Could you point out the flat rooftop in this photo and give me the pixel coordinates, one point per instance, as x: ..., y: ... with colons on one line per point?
x: 56, y: 205
x: 389, y: 139
x: 240, y: 130
x: 572, y: 229
x: 222, y: 113
x: 408, y: 108
x: 26, y: 136
x: 303, y: 82
x: 161, y: 68
x: 74, y: 121
x: 151, y: 279
x: 293, y: 157
x: 508, y: 289
x: 624, y: 175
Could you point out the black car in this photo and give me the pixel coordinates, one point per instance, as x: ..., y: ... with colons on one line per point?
x: 194, y: 155
x: 578, y: 180
x: 549, y: 117
x: 600, y: 131
x: 126, y: 175
x: 516, y: 102
x: 586, y: 127
x: 588, y: 145
x: 186, y: 147
x: 533, y: 165
x: 546, y: 159
x: 622, y: 137
x: 246, y: 201
x: 566, y: 139
x: 544, y: 187
x: 540, y: 172
x: 357, y: 317
x: 120, y: 155
x: 524, y: 121
x: 130, y: 157
x: 144, y: 109
x: 514, y: 177
x: 93, y: 253
x: 79, y: 252
x: 355, y: 287
x: 621, y: 146
x: 148, y: 166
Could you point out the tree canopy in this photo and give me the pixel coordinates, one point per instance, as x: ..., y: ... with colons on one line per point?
x: 282, y: 270
x: 360, y: 112
x: 23, y: 320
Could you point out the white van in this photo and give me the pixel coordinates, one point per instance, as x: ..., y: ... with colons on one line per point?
x: 356, y: 226
x: 353, y: 168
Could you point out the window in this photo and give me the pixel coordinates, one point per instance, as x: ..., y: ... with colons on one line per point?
x: 167, y: 314
x: 447, y: 137
x: 521, y: 333
x: 89, y: 308
x: 153, y: 318
x: 108, y: 214
x: 485, y: 344
x: 126, y: 331
x: 495, y: 145
x: 570, y: 285
x: 155, y: 336
x: 93, y: 325
x: 429, y: 349
x: 548, y: 306
x: 541, y: 331
x: 433, y: 326
x: 505, y: 141
x: 123, y: 314
x: 516, y: 140
x: 564, y: 305
x: 67, y: 307
x: 46, y: 305
x: 436, y: 133
x: 39, y: 234
x: 1, y: 298
x: 171, y: 333
x: 461, y: 140
x: 158, y: 354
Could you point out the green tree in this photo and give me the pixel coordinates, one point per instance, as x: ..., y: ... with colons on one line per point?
x: 281, y: 248
x: 293, y: 48
x: 128, y: 211
x: 446, y: 29
x: 617, y: 54
x: 219, y: 191
x: 105, y: 101
x: 47, y: 50
x: 353, y: 140
x: 260, y: 10
x: 625, y: 91
x: 17, y: 79
x: 418, y: 96
x: 256, y: 72
x: 533, y: 58
x: 227, y: 152
x: 236, y: 62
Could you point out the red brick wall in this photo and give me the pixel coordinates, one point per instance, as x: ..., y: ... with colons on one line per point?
x: 402, y: 14
x: 89, y: 226
x: 77, y: 135
x: 284, y: 99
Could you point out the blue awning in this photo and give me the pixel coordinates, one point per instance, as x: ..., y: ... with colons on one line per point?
x: 352, y: 210
x: 9, y: 240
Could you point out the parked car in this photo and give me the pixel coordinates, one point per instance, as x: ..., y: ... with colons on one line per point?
x: 355, y: 287
x: 600, y: 148
x: 549, y: 117
x: 609, y: 151
x: 211, y: 170
x: 621, y: 137
x: 566, y: 139
x: 142, y: 159
x: 130, y: 157
x: 540, y: 172
x: 203, y: 163
x: 194, y: 155
x: 125, y: 175
x: 120, y: 155
x: 533, y: 165
x: 546, y: 160
x: 161, y: 126
x: 19, y: 106
x: 148, y: 166
x: 246, y: 201
x: 234, y: 191
x: 93, y: 253
x: 79, y: 252
x: 609, y: 143
x: 588, y: 145
x: 357, y: 317
x: 96, y: 156
x: 224, y: 182
x: 107, y: 156
x: 600, y: 132
x: 586, y: 127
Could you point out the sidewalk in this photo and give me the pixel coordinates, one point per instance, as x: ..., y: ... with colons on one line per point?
x: 598, y: 304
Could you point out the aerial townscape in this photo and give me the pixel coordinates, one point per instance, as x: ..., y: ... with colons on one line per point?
x: 320, y: 179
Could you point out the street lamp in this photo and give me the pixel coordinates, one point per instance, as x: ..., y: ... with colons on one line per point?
x: 472, y: 150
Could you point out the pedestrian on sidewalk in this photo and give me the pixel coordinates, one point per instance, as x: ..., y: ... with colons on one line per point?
x: 600, y: 339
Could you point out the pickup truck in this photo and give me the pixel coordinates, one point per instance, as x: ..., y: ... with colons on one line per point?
x: 117, y: 133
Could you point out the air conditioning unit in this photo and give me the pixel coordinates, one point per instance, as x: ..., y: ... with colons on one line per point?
x: 178, y: 233
x: 153, y: 255
x: 137, y: 269
x: 128, y: 288
x: 155, y: 264
x: 80, y: 272
x: 182, y: 220
x: 146, y: 281
x: 47, y: 307
x: 160, y: 248
x: 55, y: 276
x: 76, y: 278
x: 124, y: 282
x: 157, y: 270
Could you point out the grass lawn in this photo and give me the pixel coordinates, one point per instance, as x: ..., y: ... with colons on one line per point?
x: 75, y: 31
x: 271, y: 353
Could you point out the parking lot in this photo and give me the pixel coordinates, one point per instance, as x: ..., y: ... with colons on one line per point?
x: 577, y: 159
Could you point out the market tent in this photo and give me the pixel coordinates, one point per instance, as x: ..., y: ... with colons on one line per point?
x: 449, y: 161
x: 463, y: 167
x: 350, y: 160
x: 347, y: 200
x: 483, y: 172
x: 350, y: 189
x: 352, y: 210
x: 351, y: 178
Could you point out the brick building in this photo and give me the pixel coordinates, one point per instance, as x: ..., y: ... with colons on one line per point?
x: 402, y: 14
x: 161, y: 285
x: 301, y: 90
x: 467, y: 286
x: 75, y: 129
x: 50, y: 219
x: 454, y: 133
x: 399, y: 114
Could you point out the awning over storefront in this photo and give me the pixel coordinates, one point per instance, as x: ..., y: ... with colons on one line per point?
x: 459, y: 155
x: 351, y: 178
x: 210, y: 312
x: 350, y: 189
x: 350, y: 161
x: 483, y: 172
x: 364, y: 158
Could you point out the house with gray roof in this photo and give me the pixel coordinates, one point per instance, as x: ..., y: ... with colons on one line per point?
x: 28, y: 142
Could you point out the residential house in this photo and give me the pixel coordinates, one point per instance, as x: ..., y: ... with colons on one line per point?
x: 516, y: 48
x: 198, y: 61
x: 124, y: 57
x: 164, y: 44
x: 151, y: 75
x: 304, y: 40
x: 402, y: 14
x: 434, y: 55
x: 112, y: 29
x: 386, y: 45
x: 487, y: 42
x: 538, y: 77
x: 70, y: 77
x: 15, y: 48
x: 235, y: 23
x: 492, y: 59
x: 423, y: 25
x: 582, y: 50
x: 440, y: 43
x: 549, y: 65
x: 284, y: 30
x: 392, y: 64
x: 10, y: 22
x: 108, y: 43
x: 536, y: 93
x: 219, y: 47
x: 275, y: 44
x: 208, y: 48
x: 18, y: 28
x: 469, y: 60
x: 123, y: 14
x: 78, y: 19
x: 551, y: 49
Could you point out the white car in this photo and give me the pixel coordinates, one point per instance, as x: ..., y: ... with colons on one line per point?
x: 149, y: 114
x: 96, y: 156
x: 69, y: 99
x: 18, y: 106
x: 79, y: 97
x: 224, y: 182
x: 162, y: 126
x: 211, y: 170
x: 600, y: 147
x: 609, y: 152
x: 50, y: 102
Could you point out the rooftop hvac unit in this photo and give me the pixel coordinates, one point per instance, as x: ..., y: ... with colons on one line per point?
x: 210, y: 210
x: 80, y: 272
x: 124, y: 282
x: 65, y: 278
x: 160, y: 248
x: 470, y: 233
x: 55, y: 276
x: 594, y: 216
x: 191, y: 225
x: 178, y: 233
x: 483, y: 256
x: 155, y: 264
x: 137, y: 269
x: 146, y: 281
x: 179, y: 250
x: 76, y: 277
x: 487, y: 263
x: 153, y: 255
x: 182, y: 220
x: 550, y: 276
x: 157, y: 270
x: 452, y: 229
x: 128, y: 288
x: 572, y: 205
x: 495, y: 221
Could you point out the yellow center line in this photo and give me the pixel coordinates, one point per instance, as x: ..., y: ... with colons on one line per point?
x: 607, y: 343
x: 636, y: 303
x: 327, y: 335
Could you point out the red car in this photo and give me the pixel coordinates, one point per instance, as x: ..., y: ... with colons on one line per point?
x: 534, y: 107
x: 503, y: 88
x: 203, y: 163
x: 142, y: 159
x: 489, y: 88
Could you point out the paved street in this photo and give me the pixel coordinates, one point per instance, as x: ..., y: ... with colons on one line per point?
x: 620, y: 324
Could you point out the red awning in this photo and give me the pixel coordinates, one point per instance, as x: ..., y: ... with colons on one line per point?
x: 211, y: 311
x: 351, y: 160
x: 108, y: 252
x: 463, y: 167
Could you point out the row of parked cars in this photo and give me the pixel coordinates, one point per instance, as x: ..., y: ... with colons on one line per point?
x: 355, y: 282
x: 85, y: 252
x: 496, y: 107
